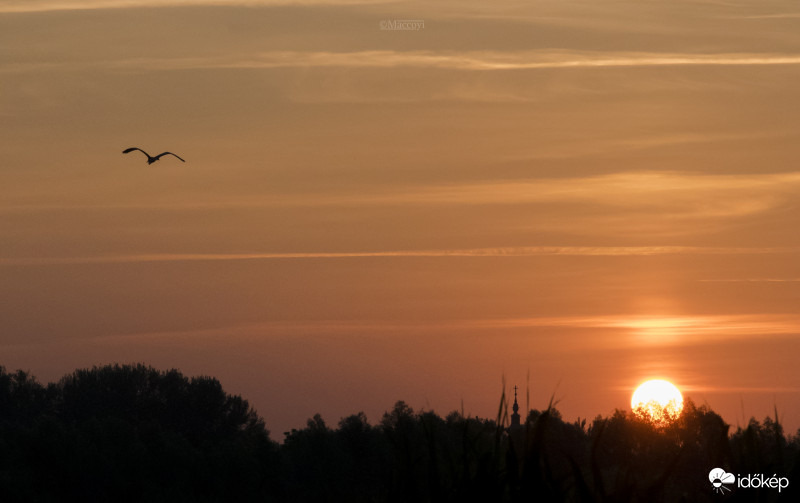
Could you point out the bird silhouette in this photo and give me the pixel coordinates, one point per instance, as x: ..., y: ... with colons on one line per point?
x: 150, y: 159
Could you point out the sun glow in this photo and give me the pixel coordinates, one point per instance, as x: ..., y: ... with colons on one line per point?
x: 657, y: 401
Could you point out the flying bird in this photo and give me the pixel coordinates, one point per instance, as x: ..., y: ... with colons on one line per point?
x: 150, y: 159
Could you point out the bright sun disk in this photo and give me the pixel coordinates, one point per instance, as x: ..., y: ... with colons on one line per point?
x: 657, y: 401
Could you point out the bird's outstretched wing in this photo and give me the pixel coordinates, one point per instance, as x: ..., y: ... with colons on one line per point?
x: 135, y: 148
x: 168, y: 153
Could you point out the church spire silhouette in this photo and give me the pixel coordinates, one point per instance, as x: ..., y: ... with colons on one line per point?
x: 515, y: 408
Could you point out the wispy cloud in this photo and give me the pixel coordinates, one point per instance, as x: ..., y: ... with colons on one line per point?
x: 625, y: 189
x: 781, y: 15
x: 660, y: 207
x: 668, y: 330
x: 447, y: 60
x: 61, y: 5
x: 743, y: 389
x: 688, y: 193
x: 752, y: 280
x: 584, y: 333
x: 518, y: 251
x: 465, y: 60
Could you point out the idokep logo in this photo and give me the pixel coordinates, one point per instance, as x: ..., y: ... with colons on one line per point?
x: 719, y: 478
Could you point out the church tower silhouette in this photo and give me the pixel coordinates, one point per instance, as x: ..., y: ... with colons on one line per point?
x: 515, y: 408
x: 516, y: 433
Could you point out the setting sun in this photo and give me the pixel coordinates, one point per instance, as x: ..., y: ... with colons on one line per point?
x: 657, y: 401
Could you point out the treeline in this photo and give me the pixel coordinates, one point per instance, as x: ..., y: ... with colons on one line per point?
x: 133, y: 433
x: 129, y: 433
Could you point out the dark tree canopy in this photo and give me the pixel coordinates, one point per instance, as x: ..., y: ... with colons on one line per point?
x: 134, y: 433
x: 129, y: 433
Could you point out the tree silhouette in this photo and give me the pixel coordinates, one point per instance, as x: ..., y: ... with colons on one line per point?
x: 134, y: 433
x: 130, y: 433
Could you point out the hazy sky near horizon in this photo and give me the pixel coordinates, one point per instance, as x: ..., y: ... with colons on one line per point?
x: 589, y: 192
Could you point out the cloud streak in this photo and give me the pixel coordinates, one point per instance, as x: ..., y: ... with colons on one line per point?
x: 660, y: 207
x: 667, y: 330
x: 18, y: 6
x: 752, y: 280
x: 714, y: 195
x: 518, y: 251
x: 466, y: 60
x: 621, y: 188
x: 482, y: 61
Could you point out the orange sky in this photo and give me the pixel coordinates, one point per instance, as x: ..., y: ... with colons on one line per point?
x: 590, y: 192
